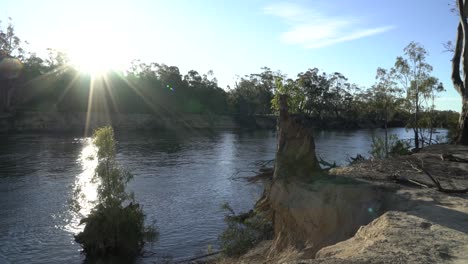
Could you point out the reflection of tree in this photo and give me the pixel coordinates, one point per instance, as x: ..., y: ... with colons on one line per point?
x: 84, y: 192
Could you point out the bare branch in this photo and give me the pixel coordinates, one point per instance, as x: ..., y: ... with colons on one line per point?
x: 448, y: 47
x: 435, y: 180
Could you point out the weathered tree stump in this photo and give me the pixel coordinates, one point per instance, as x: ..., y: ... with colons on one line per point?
x: 295, y: 154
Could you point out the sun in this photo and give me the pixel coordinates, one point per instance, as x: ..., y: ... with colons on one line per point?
x: 97, y: 49
x: 93, y: 60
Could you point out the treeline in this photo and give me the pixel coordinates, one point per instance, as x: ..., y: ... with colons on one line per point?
x: 31, y: 83
x: 153, y: 88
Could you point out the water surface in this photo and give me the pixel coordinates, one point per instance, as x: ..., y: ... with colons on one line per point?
x: 180, y: 178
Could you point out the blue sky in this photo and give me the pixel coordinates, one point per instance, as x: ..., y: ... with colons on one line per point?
x: 239, y: 37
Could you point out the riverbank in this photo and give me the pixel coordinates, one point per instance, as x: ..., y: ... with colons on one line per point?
x: 375, y: 211
x: 65, y: 122
x: 34, y: 121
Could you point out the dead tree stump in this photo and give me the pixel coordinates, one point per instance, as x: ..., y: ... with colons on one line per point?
x: 295, y: 154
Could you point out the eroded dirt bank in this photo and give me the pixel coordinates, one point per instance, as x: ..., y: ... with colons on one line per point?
x: 372, y: 212
x: 408, y: 209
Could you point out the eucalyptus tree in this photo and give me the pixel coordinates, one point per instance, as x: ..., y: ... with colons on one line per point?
x: 431, y: 117
x: 11, y: 57
x: 460, y: 69
x: 253, y: 94
x: 414, y: 74
x: 10, y: 43
x: 316, y: 87
x: 386, y: 98
x: 115, y: 225
x: 338, y: 94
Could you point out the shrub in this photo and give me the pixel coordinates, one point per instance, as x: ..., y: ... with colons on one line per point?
x: 243, y: 231
x: 112, y: 228
x: 399, y: 147
x: 395, y: 147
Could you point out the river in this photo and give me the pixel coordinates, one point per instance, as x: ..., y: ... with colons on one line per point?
x: 180, y: 178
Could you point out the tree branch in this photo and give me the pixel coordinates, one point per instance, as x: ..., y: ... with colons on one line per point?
x: 436, y: 181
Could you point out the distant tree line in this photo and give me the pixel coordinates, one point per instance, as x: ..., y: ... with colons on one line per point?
x: 403, y: 95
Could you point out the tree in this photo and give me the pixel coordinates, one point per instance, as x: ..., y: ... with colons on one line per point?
x: 316, y: 88
x: 292, y: 90
x: 10, y: 43
x: 414, y: 73
x: 253, y: 93
x: 386, y: 99
x: 113, y: 228
x: 460, y: 58
x: 431, y: 114
x: 11, y: 54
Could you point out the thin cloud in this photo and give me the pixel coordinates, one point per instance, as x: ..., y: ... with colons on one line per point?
x: 311, y: 29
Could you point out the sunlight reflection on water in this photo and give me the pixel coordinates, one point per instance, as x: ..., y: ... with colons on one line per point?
x: 85, y: 187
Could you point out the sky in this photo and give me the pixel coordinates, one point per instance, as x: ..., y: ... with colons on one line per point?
x: 236, y: 38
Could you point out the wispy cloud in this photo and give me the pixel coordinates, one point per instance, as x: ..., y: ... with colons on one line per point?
x: 311, y: 29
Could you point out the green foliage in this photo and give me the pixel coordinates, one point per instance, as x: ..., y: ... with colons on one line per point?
x: 414, y: 74
x: 378, y: 149
x: 111, y: 177
x: 399, y: 147
x: 52, y: 84
x: 243, y: 231
x: 10, y: 43
x: 253, y: 93
x: 115, y: 230
x: 327, y: 96
x: 449, y: 119
x: 395, y: 147
x: 385, y: 95
x: 112, y: 228
x: 296, y: 97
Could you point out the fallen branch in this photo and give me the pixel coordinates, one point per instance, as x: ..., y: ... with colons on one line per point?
x: 436, y: 181
x: 403, y: 180
x: 260, y: 176
x: 323, y: 162
x: 418, y: 183
x: 451, y: 157
x: 198, y: 257
x: 264, y: 163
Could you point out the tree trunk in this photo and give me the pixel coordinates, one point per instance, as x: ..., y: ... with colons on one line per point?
x: 386, y: 134
x: 9, y: 95
x: 416, y: 138
x: 463, y: 124
x: 4, y: 95
x: 430, y: 134
x: 416, y: 124
x: 460, y: 58
x: 421, y: 136
x: 431, y: 125
x: 295, y: 154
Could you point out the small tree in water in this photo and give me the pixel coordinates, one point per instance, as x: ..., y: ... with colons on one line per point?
x: 115, y: 226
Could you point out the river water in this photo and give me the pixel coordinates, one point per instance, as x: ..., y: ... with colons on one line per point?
x: 180, y: 178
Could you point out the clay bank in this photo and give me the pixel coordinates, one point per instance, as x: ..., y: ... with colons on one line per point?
x: 407, y: 209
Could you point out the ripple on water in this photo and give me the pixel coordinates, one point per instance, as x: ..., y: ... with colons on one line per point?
x: 180, y: 180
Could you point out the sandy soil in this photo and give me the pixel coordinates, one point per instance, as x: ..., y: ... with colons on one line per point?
x: 419, y: 224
